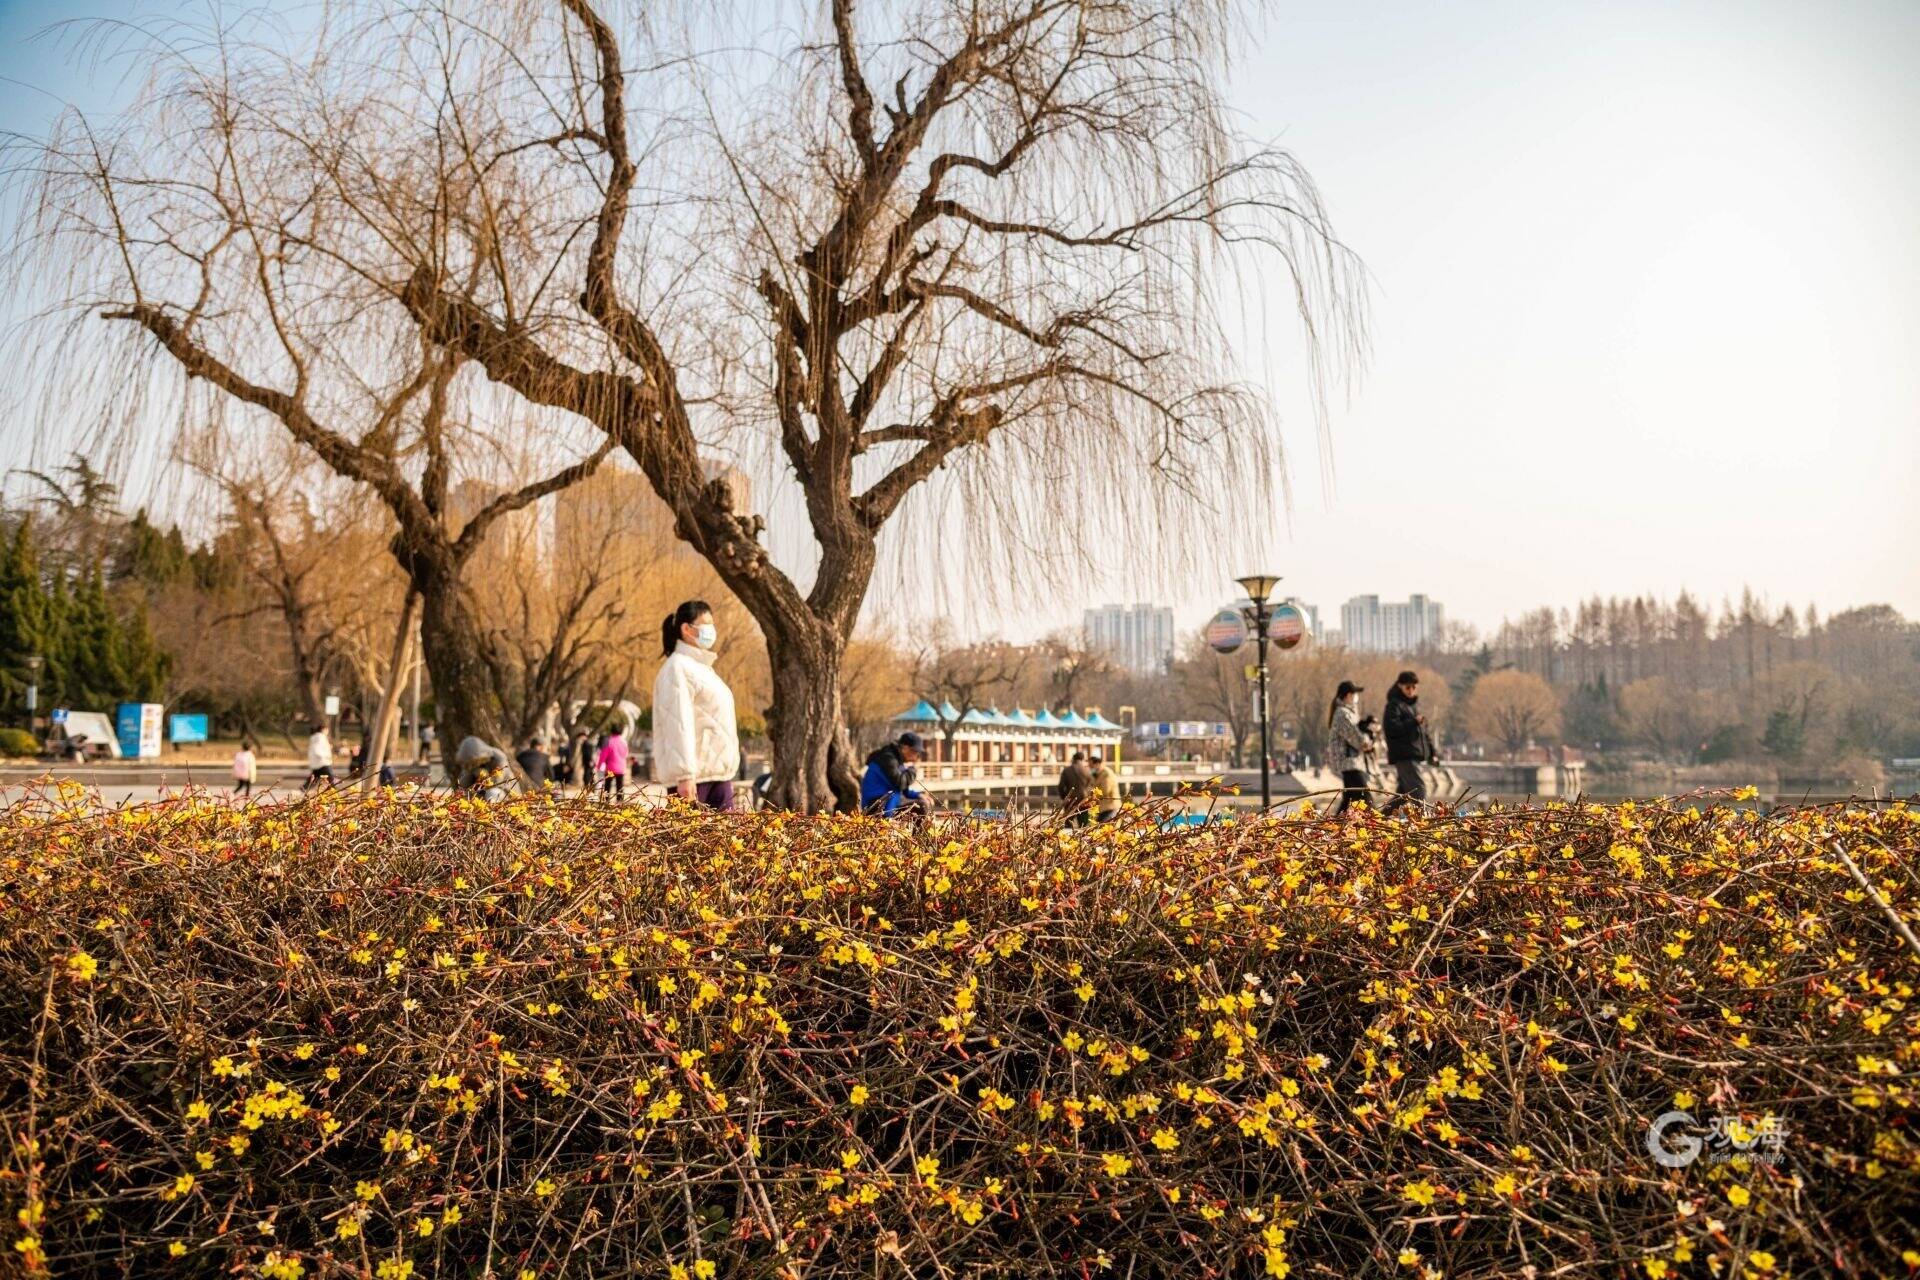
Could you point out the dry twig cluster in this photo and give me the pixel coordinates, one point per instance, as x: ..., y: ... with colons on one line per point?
x: 411, y: 1036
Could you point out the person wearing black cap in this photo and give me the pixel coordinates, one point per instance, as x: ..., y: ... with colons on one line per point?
x: 1347, y: 746
x: 887, y: 789
x: 1409, y: 745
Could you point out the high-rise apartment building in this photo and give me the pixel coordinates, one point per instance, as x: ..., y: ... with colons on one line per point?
x: 1404, y: 626
x: 1138, y: 637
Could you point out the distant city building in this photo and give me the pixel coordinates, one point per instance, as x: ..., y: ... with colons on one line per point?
x: 616, y: 506
x: 1138, y: 637
x: 1394, y: 627
x: 519, y: 531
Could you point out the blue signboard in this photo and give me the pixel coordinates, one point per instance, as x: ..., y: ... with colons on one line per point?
x: 126, y: 727
x: 187, y: 728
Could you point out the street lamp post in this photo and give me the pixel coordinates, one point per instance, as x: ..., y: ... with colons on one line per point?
x: 1259, y: 589
x: 33, y: 688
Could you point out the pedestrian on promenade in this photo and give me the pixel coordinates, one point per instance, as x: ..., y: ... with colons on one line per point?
x: 246, y: 768
x: 580, y: 759
x: 1103, y: 790
x: 1409, y: 743
x: 319, y: 758
x: 1347, y: 746
x: 696, y: 742
x: 1076, y: 784
x: 426, y: 744
x: 886, y: 789
x: 612, y: 762
x: 536, y: 764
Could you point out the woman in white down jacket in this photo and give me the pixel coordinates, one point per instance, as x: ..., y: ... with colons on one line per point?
x: 696, y: 745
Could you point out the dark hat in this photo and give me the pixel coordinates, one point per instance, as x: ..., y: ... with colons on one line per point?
x: 1347, y: 687
x: 910, y: 739
x: 1407, y: 677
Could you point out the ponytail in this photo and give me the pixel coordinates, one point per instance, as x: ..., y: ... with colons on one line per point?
x: 1333, y: 710
x: 688, y: 611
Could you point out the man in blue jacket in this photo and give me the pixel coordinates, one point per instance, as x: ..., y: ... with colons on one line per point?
x: 887, y: 789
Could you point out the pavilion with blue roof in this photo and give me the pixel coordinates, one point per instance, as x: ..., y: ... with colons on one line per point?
x: 1010, y: 737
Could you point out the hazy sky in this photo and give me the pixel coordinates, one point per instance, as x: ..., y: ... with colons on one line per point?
x: 1646, y: 308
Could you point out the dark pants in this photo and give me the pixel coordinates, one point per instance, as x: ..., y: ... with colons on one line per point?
x: 715, y: 795
x: 323, y: 774
x: 243, y: 786
x: 1354, y: 782
x: 1408, y: 784
x: 615, y: 785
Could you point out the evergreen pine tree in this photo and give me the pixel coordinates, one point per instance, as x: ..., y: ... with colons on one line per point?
x: 141, y: 663
x: 26, y: 622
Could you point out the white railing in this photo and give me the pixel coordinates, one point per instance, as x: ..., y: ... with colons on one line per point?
x: 960, y: 776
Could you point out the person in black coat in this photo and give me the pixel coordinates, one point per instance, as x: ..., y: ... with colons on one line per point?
x: 536, y: 764
x: 1409, y: 744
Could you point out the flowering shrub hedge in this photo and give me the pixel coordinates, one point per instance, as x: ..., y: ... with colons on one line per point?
x: 408, y: 1036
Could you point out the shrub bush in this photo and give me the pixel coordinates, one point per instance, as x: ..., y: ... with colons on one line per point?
x: 18, y: 742
x: 408, y: 1036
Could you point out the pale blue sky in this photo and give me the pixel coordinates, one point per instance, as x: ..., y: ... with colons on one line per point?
x: 1647, y: 296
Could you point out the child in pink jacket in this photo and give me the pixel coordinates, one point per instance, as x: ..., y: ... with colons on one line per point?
x: 612, y: 763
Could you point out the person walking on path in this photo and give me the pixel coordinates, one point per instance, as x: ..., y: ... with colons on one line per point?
x: 612, y: 763
x: 696, y: 742
x: 319, y: 758
x: 580, y: 759
x: 1103, y: 791
x: 1347, y: 746
x: 1076, y: 784
x: 246, y: 768
x: 886, y: 789
x: 426, y: 744
x: 536, y: 764
x: 1409, y: 744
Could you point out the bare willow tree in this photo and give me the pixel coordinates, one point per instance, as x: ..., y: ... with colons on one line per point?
x: 299, y: 545
x: 965, y: 255
x: 248, y: 221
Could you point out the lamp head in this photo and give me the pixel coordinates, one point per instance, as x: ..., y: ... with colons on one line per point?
x: 1258, y: 586
x: 33, y: 663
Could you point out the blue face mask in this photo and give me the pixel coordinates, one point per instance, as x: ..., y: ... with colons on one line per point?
x: 705, y: 634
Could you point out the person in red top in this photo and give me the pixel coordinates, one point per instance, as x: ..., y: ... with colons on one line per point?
x: 612, y: 763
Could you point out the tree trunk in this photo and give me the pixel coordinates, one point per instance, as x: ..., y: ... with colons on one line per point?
x: 450, y: 645
x: 388, y: 713
x: 813, y: 765
x: 306, y: 665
